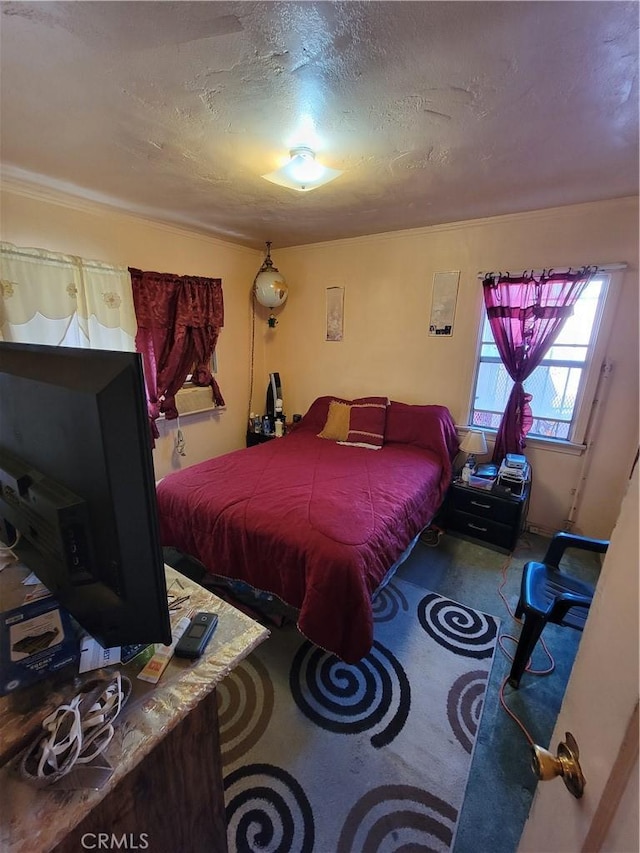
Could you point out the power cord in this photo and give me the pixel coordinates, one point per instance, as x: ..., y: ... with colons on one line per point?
x: 7, y: 555
x: 252, y: 354
x: 528, y: 668
x: 180, y: 444
x: 431, y: 535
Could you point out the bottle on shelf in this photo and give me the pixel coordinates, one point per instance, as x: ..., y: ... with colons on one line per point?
x: 468, y: 470
x: 279, y: 419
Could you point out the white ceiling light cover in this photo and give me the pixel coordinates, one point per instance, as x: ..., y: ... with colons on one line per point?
x: 303, y: 172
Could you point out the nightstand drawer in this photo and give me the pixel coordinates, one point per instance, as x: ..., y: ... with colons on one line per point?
x: 486, y: 505
x: 487, y: 530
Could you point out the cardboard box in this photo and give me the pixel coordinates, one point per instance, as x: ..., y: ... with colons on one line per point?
x: 37, y: 639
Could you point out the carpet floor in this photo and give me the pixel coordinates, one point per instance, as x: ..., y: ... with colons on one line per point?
x: 502, y: 783
x: 324, y: 757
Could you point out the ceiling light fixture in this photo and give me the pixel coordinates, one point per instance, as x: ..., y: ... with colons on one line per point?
x: 302, y: 173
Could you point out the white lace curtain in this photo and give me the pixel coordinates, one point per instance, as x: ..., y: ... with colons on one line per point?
x: 49, y: 298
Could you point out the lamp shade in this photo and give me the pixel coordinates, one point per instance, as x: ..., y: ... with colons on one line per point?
x: 269, y: 287
x: 474, y: 443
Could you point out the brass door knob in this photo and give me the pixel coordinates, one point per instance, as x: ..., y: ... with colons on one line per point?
x: 547, y: 766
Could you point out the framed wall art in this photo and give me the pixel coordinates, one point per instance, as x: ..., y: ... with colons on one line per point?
x: 443, y: 303
x: 335, y: 313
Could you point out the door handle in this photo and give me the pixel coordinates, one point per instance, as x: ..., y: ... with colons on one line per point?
x: 565, y: 763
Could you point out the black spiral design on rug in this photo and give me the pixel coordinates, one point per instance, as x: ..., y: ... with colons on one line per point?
x: 460, y: 629
x: 373, y: 694
x: 398, y: 817
x: 464, y: 706
x: 245, y: 707
x: 267, y: 809
x: 388, y: 603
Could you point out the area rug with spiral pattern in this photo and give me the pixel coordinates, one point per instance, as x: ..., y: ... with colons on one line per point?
x: 325, y: 757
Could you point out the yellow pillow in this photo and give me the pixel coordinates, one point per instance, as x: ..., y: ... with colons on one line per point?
x: 336, y: 426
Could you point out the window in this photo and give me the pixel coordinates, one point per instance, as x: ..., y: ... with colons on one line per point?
x: 557, y: 385
x: 63, y: 300
x: 213, y: 367
x: 194, y: 399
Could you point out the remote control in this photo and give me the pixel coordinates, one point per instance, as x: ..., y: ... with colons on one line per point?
x: 194, y: 640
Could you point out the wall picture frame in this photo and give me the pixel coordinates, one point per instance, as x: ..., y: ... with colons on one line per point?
x: 443, y: 303
x: 335, y: 314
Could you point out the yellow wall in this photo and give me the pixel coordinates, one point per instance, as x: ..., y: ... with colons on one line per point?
x: 386, y: 348
x: 92, y: 232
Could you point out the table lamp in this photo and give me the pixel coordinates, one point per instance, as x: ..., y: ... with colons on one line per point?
x: 474, y: 443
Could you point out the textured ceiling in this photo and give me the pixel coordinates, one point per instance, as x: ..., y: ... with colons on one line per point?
x: 436, y: 111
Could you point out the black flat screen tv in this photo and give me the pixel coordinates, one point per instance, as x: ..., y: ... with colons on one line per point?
x: 77, y: 487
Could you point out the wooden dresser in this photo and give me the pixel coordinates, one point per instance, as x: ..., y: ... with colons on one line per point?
x: 166, y: 792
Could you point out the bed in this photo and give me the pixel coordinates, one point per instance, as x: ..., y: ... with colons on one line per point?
x: 317, y: 519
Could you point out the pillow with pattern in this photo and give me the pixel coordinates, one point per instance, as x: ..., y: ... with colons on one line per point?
x: 367, y: 421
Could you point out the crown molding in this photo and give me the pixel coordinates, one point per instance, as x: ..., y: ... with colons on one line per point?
x: 15, y: 181
x: 28, y: 185
x: 463, y: 224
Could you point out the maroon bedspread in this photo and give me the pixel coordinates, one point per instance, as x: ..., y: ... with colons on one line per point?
x: 316, y: 523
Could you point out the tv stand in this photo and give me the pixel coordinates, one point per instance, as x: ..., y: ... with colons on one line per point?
x: 166, y: 789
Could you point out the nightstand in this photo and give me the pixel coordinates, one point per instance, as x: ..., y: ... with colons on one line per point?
x: 254, y: 438
x: 492, y: 516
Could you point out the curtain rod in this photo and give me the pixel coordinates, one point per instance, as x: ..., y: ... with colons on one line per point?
x: 59, y: 258
x: 599, y: 268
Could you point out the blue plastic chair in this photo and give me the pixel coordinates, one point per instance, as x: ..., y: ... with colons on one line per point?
x: 549, y: 595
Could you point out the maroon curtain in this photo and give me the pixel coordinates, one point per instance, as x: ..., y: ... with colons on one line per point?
x: 179, y: 319
x: 526, y: 314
